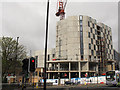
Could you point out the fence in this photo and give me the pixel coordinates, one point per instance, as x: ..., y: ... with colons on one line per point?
x: 90, y: 80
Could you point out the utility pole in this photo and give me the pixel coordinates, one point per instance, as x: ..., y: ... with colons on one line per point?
x: 46, y: 45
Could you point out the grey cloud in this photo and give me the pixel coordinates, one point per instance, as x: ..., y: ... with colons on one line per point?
x: 27, y: 20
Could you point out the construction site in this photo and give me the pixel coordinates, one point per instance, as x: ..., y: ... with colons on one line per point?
x: 84, y: 47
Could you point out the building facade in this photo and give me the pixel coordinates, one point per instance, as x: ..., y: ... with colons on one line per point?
x: 117, y: 59
x: 40, y: 55
x: 83, y: 48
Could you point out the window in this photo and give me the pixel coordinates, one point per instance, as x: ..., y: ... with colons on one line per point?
x: 89, y: 46
x: 105, y: 31
x: 106, y: 51
x: 81, y: 29
x: 91, y: 30
x: 97, y: 42
x: 107, y: 36
x: 88, y: 23
x: 93, y: 25
x: 81, y: 35
x: 39, y: 74
x: 95, y: 31
x: 80, y: 22
x: 110, y: 37
x: 81, y: 57
x: 109, y: 41
x: 89, y: 57
x: 81, y: 17
x: 93, y: 36
x: 108, y: 45
x: 92, y: 52
x: 89, y: 34
x: 53, y: 55
x: 81, y: 51
x: 94, y: 47
x: 111, y: 46
x: 95, y: 57
x: 48, y: 57
x: 81, y: 41
x: 91, y: 40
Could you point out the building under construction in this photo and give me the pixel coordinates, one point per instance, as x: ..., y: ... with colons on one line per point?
x: 83, y: 48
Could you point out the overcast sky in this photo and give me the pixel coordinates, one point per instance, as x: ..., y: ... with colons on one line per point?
x: 26, y: 20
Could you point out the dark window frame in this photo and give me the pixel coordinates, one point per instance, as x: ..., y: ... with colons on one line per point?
x: 88, y: 24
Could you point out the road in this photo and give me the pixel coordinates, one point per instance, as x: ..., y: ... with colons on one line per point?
x: 65, y: 87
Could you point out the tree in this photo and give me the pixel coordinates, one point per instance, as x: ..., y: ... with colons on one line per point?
x: 11, y: 64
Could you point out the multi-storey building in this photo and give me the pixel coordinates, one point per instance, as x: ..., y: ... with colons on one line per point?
x: 40, y: 55
x: 83, y: 48
x: 117, y: 59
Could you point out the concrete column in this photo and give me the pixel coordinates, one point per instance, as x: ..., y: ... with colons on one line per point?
x: 69, y: 66
x: 53, y: 77
x: 59, y: 78
x: 79, y: 67
x: 69, y: 71
x: 58, y: 74
x: 58, y: 66
x: 69, y: 76
x: 48, y: 75
x: 113, y: 66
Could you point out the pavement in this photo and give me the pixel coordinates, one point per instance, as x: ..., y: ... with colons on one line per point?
x: 66, y: 87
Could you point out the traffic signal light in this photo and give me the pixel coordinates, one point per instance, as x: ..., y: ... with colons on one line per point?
x: 25, y: 65
x: 32, y: 64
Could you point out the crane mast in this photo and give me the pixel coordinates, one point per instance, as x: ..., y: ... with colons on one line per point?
x: 61, y: 9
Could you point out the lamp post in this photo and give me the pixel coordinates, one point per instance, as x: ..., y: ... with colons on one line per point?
x: 46, y: 45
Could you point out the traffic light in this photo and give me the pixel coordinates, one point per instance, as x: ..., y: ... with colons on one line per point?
x: 25, y: 65
x: 32, y: 64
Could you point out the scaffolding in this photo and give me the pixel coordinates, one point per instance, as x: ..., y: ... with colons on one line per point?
x: 101, y: 52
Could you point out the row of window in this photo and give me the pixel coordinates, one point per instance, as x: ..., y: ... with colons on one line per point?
x: 93, y: 25
x: 99, y: 38
x: 53, y: 55
x: 81, y: 37
x: 108, y: 37
x: 40, y: 74
x: 90, y: 46
x: 89, y: 36
x: 91, y: 57
x: 98, y: 33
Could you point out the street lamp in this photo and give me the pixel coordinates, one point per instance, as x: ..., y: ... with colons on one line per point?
x: 46, y: 37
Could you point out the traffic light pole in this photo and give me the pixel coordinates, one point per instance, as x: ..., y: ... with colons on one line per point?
x: 23, y: 82
x: 46, y: 45
x: 33, y: 80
